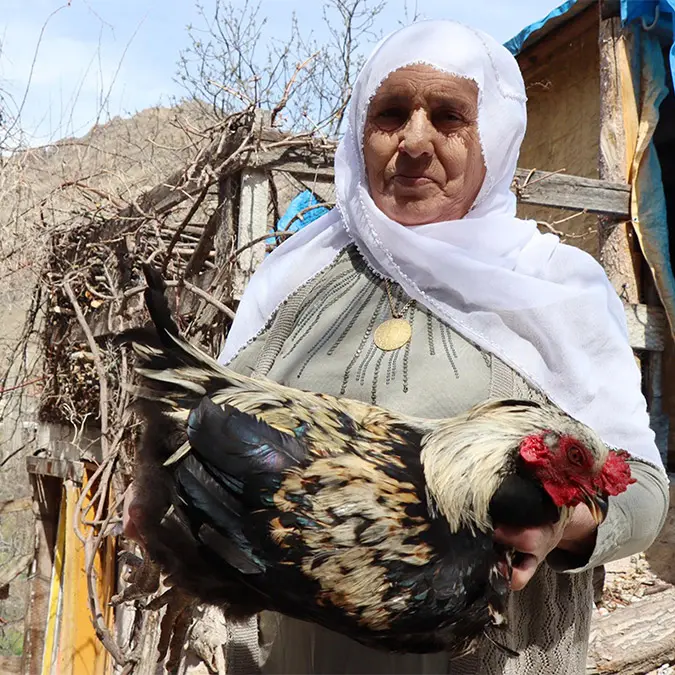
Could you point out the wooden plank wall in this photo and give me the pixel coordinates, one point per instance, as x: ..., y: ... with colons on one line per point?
x: 561, y: 76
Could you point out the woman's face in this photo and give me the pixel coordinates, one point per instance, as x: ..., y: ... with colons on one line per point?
x: 421, y: 146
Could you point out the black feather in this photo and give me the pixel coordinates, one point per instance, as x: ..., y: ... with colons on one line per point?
x: 158, y: 305
x: 210, y: 504
x: 237, y: 443
x: 145, y: 335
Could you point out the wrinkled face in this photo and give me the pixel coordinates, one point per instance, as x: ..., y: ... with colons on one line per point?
x: 573, y: 471
x: 421, y: 146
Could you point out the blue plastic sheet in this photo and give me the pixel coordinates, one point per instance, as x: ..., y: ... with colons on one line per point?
x: 648, y: 204
x: 299, y: 214
x: 515, y: 44
x: 645, y: 11
x: 639, y: 9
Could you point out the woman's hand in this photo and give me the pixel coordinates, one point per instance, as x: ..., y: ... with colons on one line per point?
x: 576, y: 535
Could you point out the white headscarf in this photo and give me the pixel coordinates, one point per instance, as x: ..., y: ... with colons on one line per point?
x: 544, y: 308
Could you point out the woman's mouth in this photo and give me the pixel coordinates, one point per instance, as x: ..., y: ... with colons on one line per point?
x: 411, y: 181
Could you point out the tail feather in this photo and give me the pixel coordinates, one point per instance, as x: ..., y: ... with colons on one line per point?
x: 230, y: 551
x: 174, y: 378
x: 162, y: 346
x: 167, y: 330
x: 158, y: 306
x: 144, y: 335
x: 167, y: 363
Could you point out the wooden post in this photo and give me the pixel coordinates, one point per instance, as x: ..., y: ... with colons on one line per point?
x: 47, y: 499
x: 654, y: 372
x: 669, y: 398
x: 225, y: 242
x: 252, y: 226
x: 618, y: 250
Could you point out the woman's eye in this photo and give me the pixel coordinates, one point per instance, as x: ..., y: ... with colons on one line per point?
x: 447, y: 118
x: 391, y: 112
x: 391, y: 117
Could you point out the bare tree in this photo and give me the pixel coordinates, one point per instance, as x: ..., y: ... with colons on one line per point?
x: 232, y: 65
x: 7, y: 116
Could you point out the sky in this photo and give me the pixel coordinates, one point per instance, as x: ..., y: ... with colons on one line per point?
x: 67, y: 65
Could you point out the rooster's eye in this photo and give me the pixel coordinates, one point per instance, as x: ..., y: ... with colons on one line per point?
x: 575, y: 455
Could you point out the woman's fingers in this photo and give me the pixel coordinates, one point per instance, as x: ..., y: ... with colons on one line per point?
x: 533, y: 544
x: 523, y: 570
x: 532, y: 540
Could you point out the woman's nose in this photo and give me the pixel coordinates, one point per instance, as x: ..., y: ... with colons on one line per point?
x: 416, y: 136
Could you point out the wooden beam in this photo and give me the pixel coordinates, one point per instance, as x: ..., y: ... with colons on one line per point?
x: 610, y: 9
x: 647, y: 327
x: 617, y: 241
x: 572, y: 192
x: 47, y: 495
x: 542, y: 188
x: 654, y: 375
x: 668, y: 399
x: 56, y: 468
x: 300, y: 160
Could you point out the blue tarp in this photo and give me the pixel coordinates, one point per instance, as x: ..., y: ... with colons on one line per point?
x: 644, y: 11
x: 299, y: 214
x: 648, y: 204
x: 638, y: 9
x: 515, y: 44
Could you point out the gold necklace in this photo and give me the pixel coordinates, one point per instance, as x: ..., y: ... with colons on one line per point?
x: 396, y: 332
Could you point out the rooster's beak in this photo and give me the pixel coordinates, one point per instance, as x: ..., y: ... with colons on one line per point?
x: 597, y: 505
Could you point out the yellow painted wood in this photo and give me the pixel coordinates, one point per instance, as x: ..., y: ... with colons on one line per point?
x: 80, y: 650
x: 55, y: 595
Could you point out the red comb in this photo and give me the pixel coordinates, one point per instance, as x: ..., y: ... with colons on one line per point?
x: 615, y: 475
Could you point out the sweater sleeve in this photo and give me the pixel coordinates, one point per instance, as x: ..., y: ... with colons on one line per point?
x: 634, y: 520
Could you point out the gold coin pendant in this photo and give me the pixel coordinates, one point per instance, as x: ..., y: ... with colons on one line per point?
x: 392, y: 334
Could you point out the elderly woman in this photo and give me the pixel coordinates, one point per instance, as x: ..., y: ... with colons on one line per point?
x: 422, y: 292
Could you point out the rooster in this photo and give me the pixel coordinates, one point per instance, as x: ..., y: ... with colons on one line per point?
x: 371, y: 523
